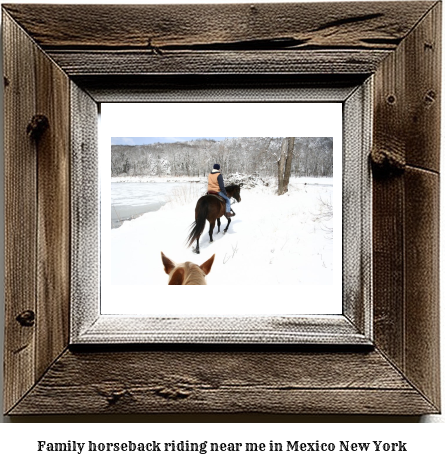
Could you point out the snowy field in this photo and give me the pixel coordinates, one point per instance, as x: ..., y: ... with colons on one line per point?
x: 272, y: 239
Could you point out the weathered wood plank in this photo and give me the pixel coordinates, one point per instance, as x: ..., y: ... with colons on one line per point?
x: 408, y: 98
x: 78, y: 62
x: 109, y: 329
x: 184, y: 382
x: 423, y: 92
x: 388, y: 268
x: 400, y: 377
x: 406, y: 207
x: 85, y: 211
x: 117, y: 400
x: 20, y: 213
x: 388, y: 201
x: 364, y: 25
x: 422, y: 281
x: 357, y: 209
x: 53, y: 227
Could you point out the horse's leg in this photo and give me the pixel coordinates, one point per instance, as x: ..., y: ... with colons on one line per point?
x: 219, y: 225
x: 212, y: 226
x: 227, y: 227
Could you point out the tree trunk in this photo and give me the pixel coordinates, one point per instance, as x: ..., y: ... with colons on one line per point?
x: 285, y: 164
x: 290, y: 156
x: 281, y: 164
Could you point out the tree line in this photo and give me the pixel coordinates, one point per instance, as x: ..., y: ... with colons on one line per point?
x: 309, y: 156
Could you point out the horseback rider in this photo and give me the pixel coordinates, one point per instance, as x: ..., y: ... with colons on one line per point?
x: 216, y: 184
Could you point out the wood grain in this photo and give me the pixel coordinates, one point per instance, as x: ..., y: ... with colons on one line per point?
x: 407, y: 114
x: 37, y: 218
x: 20, y: 212
x: 53, y: 228
x: 79, y: 63
x: 423, y: 92
x: 406, y: 206
x: 399, y: 42
x: 422, y: 281
x: 388, y: 268
x: 224, y: 39
x: 157, y: 27
x: 218, y: 381
x: 85, y: 211
x: 357, y: 209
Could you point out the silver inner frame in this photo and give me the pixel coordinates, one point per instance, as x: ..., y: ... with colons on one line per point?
x: 353, y: 327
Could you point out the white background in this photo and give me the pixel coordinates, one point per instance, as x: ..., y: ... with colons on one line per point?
x: 221, y: 120
x: 18, y: 441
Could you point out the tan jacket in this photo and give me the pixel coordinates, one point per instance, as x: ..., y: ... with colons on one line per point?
x: 213, y: 182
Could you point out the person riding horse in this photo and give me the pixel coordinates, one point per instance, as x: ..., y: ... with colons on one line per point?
x: 211, y: 207
x: 216, y: 184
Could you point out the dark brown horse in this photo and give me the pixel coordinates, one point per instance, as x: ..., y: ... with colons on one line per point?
x: 210, y: 208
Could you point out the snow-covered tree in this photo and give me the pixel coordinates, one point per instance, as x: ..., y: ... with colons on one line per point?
x: 246, y: 155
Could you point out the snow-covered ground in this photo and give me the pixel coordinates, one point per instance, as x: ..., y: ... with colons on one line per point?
x: 272, y: 239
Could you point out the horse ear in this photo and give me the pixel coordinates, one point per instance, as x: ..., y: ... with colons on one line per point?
x: 207, y: 266
x: 168, y: 264
x: 177, y: 277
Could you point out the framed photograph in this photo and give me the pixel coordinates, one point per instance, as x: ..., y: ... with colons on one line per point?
x: 321, y: 293
x: 168, y: 176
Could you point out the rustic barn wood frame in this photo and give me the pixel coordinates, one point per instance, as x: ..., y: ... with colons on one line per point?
x: 75, y: 57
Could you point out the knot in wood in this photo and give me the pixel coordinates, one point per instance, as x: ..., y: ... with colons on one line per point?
x: 387, y: 163
x: 26, y: 318
x: 37, y: 126
x: 173, y: 393
x: 114, y: 397
x: 112, y: 394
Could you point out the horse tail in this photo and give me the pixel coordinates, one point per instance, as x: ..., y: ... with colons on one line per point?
x: 197, y: 227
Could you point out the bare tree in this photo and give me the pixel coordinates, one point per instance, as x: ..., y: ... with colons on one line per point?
x: 264, y: 156
x: 285, y: 163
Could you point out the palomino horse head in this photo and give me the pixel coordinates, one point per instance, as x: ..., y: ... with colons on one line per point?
x: 187, y: 273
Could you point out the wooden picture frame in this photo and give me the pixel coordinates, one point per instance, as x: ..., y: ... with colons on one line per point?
x: 92, y: 323
x: 57, y: 70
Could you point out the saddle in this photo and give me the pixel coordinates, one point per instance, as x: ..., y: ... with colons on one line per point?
x: 215, y: 194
